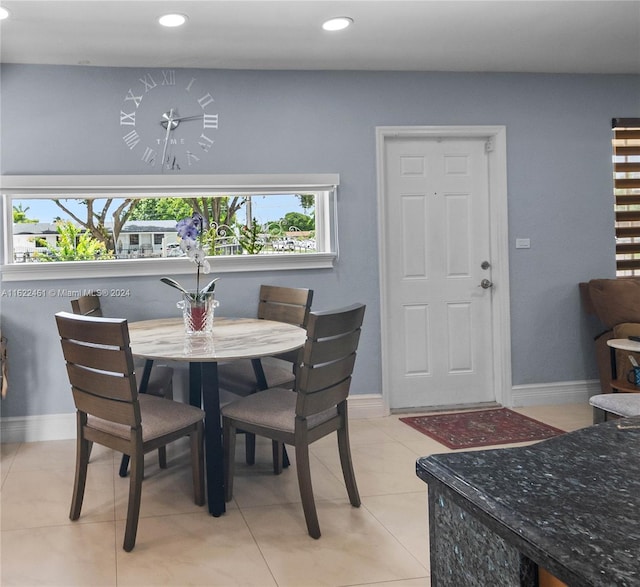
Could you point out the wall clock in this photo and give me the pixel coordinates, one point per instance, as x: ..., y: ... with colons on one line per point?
x: 168, y: 120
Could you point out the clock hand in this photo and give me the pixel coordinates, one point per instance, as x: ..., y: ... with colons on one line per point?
x: 170, y: 127
x: 176, y: 120
x: 196, y: 117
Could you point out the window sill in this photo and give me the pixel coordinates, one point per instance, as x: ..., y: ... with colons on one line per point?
x: 159, y: 267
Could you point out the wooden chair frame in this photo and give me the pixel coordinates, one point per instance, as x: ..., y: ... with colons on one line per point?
x: 282, y: 304
x: 317, y: 406
x: 110, y: 411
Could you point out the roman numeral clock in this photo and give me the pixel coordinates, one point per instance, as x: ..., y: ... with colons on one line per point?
x: 168, y: 120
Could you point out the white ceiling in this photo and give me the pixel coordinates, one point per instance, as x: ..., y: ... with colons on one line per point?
x: 562, y: 36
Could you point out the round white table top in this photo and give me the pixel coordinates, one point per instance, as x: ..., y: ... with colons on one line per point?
x: 232, y: 338
x: 624, y: 344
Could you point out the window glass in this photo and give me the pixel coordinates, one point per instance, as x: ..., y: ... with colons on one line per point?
x: 626, y: 182
x: 81, y: 228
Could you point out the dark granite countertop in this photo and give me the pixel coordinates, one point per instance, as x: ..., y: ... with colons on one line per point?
x: 570, y: 503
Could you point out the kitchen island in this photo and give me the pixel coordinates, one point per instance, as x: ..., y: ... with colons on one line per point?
x: 570, y: 505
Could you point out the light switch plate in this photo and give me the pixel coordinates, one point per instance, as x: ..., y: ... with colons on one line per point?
x: 523, y: 243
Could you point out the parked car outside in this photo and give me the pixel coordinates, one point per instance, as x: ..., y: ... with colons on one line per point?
x: 174, y: 250
x: 287, y: 244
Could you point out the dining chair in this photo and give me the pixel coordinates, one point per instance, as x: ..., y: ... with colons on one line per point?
x: 316, y: 407
x: 624, y: 405
x: 282, y: 304
x: 245, y: 377
x: 159, y: 378
x: 110, y: 412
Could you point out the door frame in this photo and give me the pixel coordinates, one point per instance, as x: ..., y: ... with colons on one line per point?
x: 499, y: 243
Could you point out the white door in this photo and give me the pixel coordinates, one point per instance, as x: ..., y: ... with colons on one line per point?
x: 437, y: 272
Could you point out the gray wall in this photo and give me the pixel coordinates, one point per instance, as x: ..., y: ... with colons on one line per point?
x: 64, y: 120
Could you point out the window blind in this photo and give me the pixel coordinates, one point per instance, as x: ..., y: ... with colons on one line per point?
x: 626, y: 188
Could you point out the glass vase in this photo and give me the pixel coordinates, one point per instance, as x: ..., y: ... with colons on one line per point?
x: 197, y: 312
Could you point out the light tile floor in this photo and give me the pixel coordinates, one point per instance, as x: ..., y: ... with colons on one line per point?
x: 261, y: 540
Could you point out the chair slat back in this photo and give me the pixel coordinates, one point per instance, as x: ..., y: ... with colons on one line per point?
x: 328, y: 358
x: 326, y: 350
x: 107, y: 409
x: 93, y: 331
x: 95, y: 357
x: 285, y: 304
x: 316, y: 377
x: 309, y: 404
x: 100, y: 367
x: 105, y: 384
x: 88, y: 305
x: 339, y: 322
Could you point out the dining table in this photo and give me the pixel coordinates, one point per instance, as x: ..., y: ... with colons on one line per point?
x: 165, y: 339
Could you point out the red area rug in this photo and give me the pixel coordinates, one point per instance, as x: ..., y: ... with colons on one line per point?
x: 481, y: 428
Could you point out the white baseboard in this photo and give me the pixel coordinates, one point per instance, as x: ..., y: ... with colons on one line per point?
x: 566, y: 392
x: 38, y: 428
x: 63, y: 426
x: 370, y: 405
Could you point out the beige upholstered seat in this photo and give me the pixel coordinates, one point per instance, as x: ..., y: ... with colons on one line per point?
x: 316, y: 407
x: 111, y: 413
x: 241, y: 378
x: 621, y: 404
x: 160, y: 380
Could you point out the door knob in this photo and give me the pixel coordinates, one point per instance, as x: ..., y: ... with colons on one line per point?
x: 486, y: 284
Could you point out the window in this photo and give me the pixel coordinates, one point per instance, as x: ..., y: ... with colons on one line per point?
x: 127, y: 225
x: 626, y: 183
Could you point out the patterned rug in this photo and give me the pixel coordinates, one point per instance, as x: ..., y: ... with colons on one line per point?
x: 481, y: 428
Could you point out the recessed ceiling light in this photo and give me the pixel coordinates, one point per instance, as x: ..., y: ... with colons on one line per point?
x: 172, y: 20
x: 4, y: 13
x: 338, y: 23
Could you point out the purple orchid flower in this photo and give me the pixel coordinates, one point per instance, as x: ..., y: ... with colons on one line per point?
x: 189, y: 231
x: 190, y: 228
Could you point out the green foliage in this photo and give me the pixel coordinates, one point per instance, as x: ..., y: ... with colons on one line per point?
x: 306, y: 201
x: 250, y: 238
x: 300, y: 221
x: 161, y: 209
x: 74, y: 245
x: 20, y: 215
x: 219, y: 210
x: 215, y: 210
x: 208, y: 240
